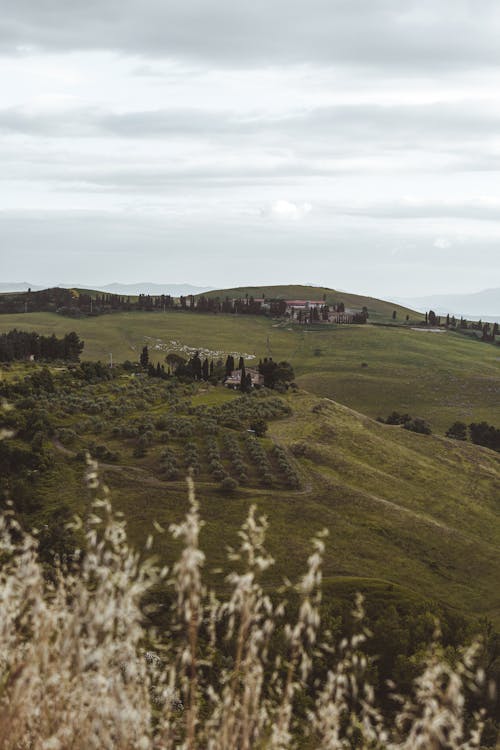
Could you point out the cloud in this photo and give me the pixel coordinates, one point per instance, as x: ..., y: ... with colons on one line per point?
x: 422, y: 33
x: 442, y: 243
x: 288, y: 211
x: 486, y: 209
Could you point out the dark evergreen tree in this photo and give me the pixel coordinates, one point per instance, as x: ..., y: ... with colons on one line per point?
x: 243, y: 379
x: 205, y: 369
x: 196, y: 366
x: 144, y: 358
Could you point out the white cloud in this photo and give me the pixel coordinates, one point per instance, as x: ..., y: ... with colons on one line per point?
x: 287, y: 210
x: 442, y: 243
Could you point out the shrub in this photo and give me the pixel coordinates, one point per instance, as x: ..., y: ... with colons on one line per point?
x: 418, y: 425
x: 457, y: 431
x: 229, y: 485
x: 259, y: 426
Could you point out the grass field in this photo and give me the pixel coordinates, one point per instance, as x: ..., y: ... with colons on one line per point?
x: 440, y: 377
x: 402, y: 510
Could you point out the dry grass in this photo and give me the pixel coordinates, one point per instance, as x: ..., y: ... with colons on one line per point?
x: 77, y: 671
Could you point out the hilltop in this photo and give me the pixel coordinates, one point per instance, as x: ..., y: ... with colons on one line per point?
x: 377, y: 308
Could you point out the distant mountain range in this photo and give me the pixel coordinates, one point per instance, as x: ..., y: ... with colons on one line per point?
x: 484, y: 305
x: 145, y: 287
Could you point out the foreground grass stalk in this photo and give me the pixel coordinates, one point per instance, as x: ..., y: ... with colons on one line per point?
x: 228, y: 675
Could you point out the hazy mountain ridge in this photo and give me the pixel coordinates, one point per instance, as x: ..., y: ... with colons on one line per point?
x: 132, y: 290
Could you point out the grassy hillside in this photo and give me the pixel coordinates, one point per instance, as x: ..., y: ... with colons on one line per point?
x: 378, y: 309
x: 401, y: 509
x: 440, y: 377
x: 414, y: 513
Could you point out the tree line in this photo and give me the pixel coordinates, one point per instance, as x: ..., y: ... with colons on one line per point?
x: 481, y: 433
x: 275, y: 375
x: 489, y: 331
x: 73, y: 303
x: 22, y: 345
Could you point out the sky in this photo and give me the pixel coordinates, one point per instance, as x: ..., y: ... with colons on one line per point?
x: 348, y: 143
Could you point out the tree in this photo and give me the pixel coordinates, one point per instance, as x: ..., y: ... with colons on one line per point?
x: 205, y: 369
x: 482, y: 433
x: 229, y: 365
x: 174, y: 360
x: 229, y: 485
x: 241, y: 364
x: 457, y: 431
x: 144, y: 358
x: 418, y: 425
x: 275, y: 373
x: 196, y: 366
x: 259, y: 426
x: 432, y: 318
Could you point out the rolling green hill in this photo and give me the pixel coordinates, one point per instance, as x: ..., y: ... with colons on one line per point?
x: 419, y: 512
x: 374, y: 369
x: 378, y: 309
x: 406, y: 513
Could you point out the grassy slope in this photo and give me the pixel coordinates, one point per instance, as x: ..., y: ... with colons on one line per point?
x: 415, y: 510
x: 377, y: 308
x: 440, y: 377
x: 419, y: 512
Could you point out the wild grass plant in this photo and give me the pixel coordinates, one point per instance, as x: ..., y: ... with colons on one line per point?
x: 80, y: 668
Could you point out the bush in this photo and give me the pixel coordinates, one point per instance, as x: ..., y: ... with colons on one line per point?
x: 229, y: 485
x: 457, y: 431
x: 418, y: 425
x: 259, y: 426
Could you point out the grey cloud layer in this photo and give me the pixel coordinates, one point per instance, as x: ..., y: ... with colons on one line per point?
x: 179, y: 130
x: 442, y: 33
x: 364, y: 121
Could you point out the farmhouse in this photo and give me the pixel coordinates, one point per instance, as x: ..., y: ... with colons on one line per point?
x: 234, y: 380
x: 303, y: 304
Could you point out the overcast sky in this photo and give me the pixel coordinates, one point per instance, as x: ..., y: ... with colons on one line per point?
x: 348, y: 143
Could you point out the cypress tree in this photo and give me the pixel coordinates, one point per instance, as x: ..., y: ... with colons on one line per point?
x: 144, y: 358
x: 204, y: 369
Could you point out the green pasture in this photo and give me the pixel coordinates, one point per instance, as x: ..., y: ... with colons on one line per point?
x: 373, y: 369
x: 419, y: 513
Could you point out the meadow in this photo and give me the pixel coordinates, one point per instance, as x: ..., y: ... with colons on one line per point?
x: 408, y: 513
x: 372, y: 369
